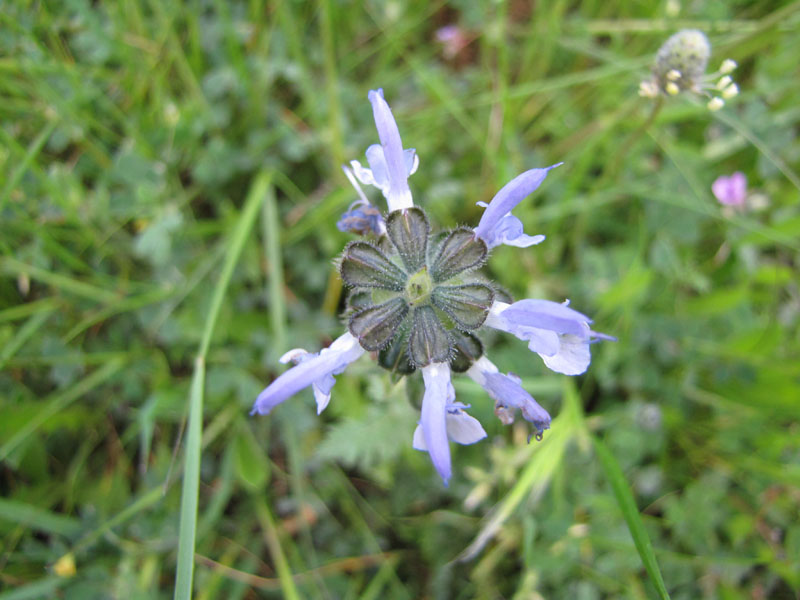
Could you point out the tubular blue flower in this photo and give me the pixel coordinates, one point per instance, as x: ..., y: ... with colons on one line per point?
x: 315, y: 370
x: 497, y: 225
x: 390, y: 165
x: 378, y: 175
x: 557, y: 333
x: 439, y: 393
x: 509, y: 231
x: 508, y: 395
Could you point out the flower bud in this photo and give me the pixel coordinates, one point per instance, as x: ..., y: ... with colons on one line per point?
x: 648, y: 89
x: 730, y: 91
x: 724, y: 82
x: 362, y: 220
x: 686, y: 53
x: 728, y: 66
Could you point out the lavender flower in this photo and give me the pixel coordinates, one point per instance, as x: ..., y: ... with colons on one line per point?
x: 443, y: 419
x: 415, y: 300
x: 508, y: 395
x: 557, y: 333
x: 315, y: 370
x: 730, y: 190
x: 497, y: 225
x: 390, y: 165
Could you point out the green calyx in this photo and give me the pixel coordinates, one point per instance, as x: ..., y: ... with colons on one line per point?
x: 414, y: 297
x: 419, y: 288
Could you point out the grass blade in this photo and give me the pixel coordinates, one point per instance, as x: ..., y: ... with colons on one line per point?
x: 191, y: 475
x: 272, y: 248
x: 278, y: 557
x: 627, y: 504
x: 191, y: 485
x: 12, y: 266
x: 23, y: 335
x: 44, y: 588
x: 23, y: 166
x: 38, y: 518
x: 762, y: 147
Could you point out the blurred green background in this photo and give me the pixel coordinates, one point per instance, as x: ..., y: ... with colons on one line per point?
x: 162, y: 160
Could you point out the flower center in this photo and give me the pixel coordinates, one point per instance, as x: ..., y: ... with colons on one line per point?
x: 419, y: 287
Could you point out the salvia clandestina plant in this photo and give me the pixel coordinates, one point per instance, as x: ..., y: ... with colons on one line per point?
x: 417, y: 299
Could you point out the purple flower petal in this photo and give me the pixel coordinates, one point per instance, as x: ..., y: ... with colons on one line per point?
x: 398, y: 194
x: 377, y: 164
x: 314, y: 369
x: 464, y: 429
x: 557, y: 333
x: 732, y: 190
x: 541, y: 341
x: 508, y: 394
x: 437, y: 396
x: 506, y: 199
x: 545, y: 314
x: 509, y: 232
x: 461, y: 428
x: 573, y: 356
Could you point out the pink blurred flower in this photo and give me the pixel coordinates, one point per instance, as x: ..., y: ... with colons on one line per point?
x: 453, y: 40
x: 730, y: 190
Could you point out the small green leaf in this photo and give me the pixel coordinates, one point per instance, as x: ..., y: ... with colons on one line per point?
x: 468, y: 305
x: 408, y: 229
x: 252, y: 466
x: 374, y: 326
x: 428, y: 342
x: 459, y: 251
x: 363, y: 265
x: 36, y: 517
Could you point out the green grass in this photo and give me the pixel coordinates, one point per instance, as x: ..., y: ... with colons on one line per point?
x: 169, y: 186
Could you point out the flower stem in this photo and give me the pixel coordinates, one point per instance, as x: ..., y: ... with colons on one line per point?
x: 613, y: 172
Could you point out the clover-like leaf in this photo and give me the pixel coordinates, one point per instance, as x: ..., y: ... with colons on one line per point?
x: 363, y: 265
x: 459, y: 251
x: 408, y: 229
x: 428, y: 341
x: 466, y: 304
x: 374, y: 326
